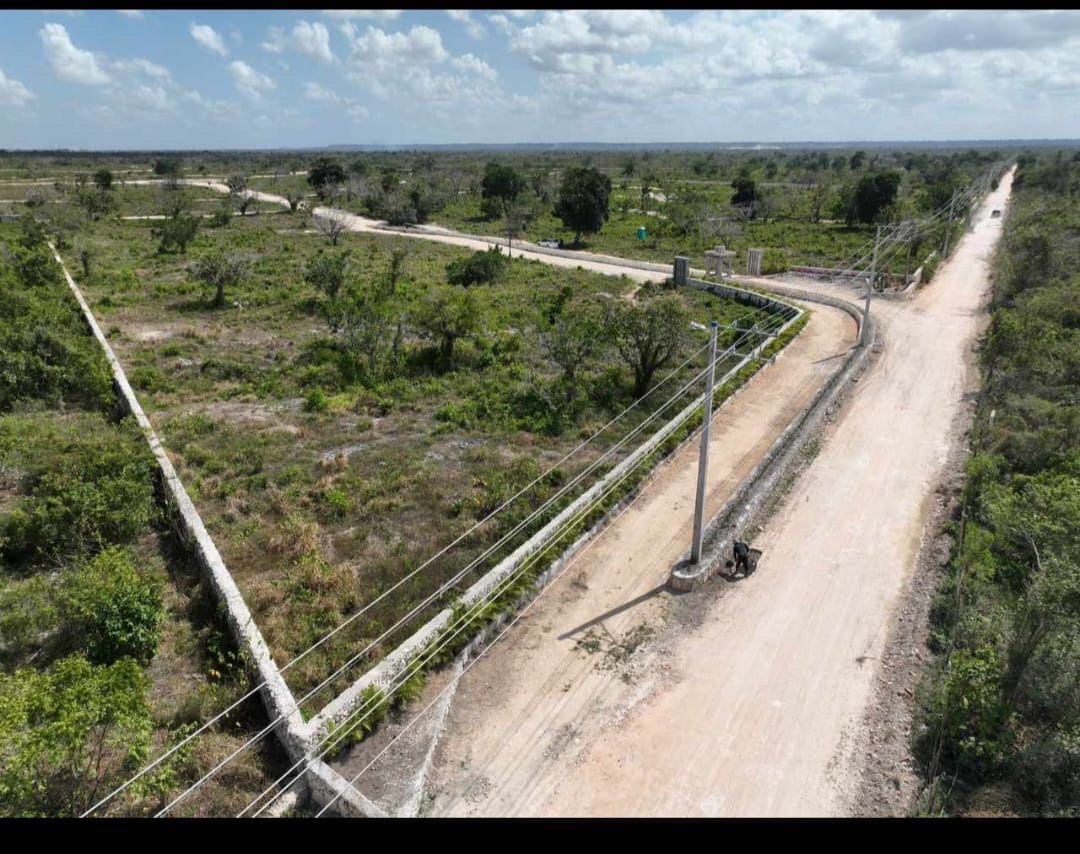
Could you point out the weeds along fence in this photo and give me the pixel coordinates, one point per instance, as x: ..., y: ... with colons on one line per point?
x: 568, y: 526
x: 571, y: 527
x: 276, y: 696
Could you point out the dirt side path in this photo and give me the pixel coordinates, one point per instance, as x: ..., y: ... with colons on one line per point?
x: 552, y: 687
x: 759, y: 710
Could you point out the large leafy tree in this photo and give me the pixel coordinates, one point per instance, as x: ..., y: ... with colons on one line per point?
x: 872, y: 197
x: 648, y: 335
x: 499, y: 188
x: 583, y: 200
x: 325, y: 172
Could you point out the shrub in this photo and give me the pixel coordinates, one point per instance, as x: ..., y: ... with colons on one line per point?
x: 480, y: 268
x: 114, y: 610
x: 316, y: 401
x: 68, y: 734
x: 46, y: 353
x: 97, y: 492
x: 176, y: 233
x: 968, y: 711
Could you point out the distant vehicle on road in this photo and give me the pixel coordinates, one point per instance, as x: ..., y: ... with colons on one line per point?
x: 550, y: 244
x: 996, y: 212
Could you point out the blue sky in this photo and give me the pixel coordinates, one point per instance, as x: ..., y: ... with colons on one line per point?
x: 236, y: 79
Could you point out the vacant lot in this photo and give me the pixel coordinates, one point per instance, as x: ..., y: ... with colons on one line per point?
x: 323, y: 485
x: 110, y: 647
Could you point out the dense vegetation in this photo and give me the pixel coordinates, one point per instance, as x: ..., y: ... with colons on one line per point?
x: 338, y: 414
x: 89, y: 626
x: 1002, y: 707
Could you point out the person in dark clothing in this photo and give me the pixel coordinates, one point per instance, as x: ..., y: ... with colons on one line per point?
x: 742, y: 557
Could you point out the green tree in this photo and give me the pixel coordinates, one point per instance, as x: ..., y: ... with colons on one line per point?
x: 221, y: 271
x: 499, y: 187
x: 167, y: 166
x: 69, y: 734
x: 113, y: 611
x: 745, y: 191
x: 480, y: 268
x: 103, y: 178
x: 177, y: 233
x: 872, y: 197
x: 95, y: 202
x: 575, y: 337
x: 326, y: 273
x: 325, y: 172
x: 447, y: 315
x: 583, y: 201
x: 648, y: 334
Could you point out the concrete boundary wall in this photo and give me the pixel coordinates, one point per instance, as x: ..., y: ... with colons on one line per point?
x: 744, y: 506
x: 277, y: 697
x: 321, y: 781
x: 384, y: 673
x: 526, y: 246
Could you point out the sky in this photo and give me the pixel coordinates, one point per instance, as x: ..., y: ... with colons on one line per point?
x: 145, y: 79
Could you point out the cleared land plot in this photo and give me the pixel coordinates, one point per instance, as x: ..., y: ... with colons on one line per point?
x: 322, y: 491
x: 77, y: 508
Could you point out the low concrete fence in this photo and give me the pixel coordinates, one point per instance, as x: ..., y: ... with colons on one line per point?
x: 277, y: 698
x: 388, y: 671
x: 525, y: 246
x: 744, y: 508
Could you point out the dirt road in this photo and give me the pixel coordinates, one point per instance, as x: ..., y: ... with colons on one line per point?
x: 757, y: 709
x: 540, y: 689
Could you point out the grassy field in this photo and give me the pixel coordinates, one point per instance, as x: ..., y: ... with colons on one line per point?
x: 77, y: 499
x: 320, y: 491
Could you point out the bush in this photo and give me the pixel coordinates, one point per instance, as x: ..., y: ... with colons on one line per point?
x: 967, y: 710
x: 114, y: 610
x: 70, y: 733
x: 46, y: 353
x: 480, y: 268
x: 316, y: 401
x: 176, y: 233
x: 97, y: 492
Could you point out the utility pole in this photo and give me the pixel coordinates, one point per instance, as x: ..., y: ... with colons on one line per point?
x: 948, y: 225
x: 703, y: 457
x: 869, y: 286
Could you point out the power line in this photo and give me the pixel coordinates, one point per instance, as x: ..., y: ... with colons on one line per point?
x: 465, y: 619
x: 446, y: 586
x: 391, y: 589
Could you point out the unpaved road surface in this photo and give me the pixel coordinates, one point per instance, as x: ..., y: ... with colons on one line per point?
x: 755, y: 709
x: 527, y: 705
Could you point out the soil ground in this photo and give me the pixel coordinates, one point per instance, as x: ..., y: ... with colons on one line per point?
x: 759, y: 706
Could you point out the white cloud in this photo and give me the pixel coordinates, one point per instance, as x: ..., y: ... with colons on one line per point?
x: 209, y: 38
x: 315, y: 92
x: 140, y: 66
x: 69, y: 62
x: 275, y: 41
x: 131, y: 13
x: 309, y: 39
x: 12, y: 92
x: 383, y: 50
x: 473, y: 27
x: 348, y: 14
x: 473, y: 65
x: 250, y: 82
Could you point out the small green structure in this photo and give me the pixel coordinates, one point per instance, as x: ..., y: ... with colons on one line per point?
x: 642, y: 232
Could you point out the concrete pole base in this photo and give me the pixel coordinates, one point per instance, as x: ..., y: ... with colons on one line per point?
x: 686, y: 576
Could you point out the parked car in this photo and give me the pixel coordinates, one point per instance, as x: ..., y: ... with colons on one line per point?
x: 550, y: 243
x: 996, y: 212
